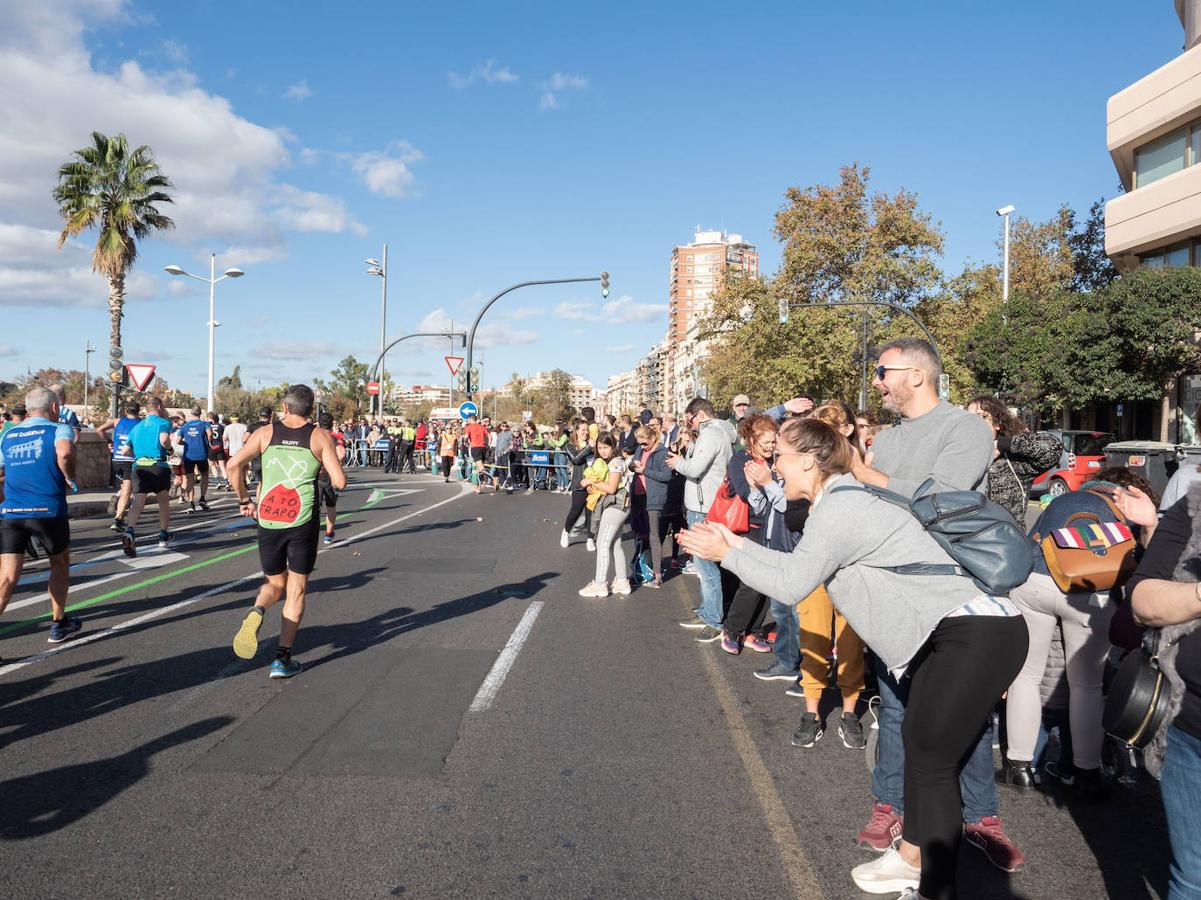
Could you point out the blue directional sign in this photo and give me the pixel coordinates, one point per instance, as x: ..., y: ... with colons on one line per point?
x: 468, y: 409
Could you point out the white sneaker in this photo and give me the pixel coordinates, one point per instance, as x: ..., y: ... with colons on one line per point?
x: 594, y: 589
x: 591, y: 545
x: 622, y: 586
x: 564, y: 540
x: 886, y: 874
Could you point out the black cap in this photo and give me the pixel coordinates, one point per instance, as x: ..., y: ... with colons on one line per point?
x: 265, y: 412
x: 325, y: 420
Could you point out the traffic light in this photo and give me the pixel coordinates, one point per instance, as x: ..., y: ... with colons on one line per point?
x: 462, y: 381
x: 604, y: 284
x: 119, y: 376
x: 783, y: 311
x: 473, y: 380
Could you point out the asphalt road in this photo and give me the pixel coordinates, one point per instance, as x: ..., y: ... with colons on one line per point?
x: 617, y: 758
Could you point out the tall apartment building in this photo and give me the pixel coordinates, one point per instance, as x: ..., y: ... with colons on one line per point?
x: 1153, y: 129
x: 651, y: 378
x: 697, y: 270
x: 621, y: 394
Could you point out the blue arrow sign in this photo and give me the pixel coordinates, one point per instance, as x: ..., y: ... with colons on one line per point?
x: 468, y: 409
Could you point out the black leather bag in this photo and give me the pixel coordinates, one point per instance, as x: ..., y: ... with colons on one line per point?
x: 1137, y: 702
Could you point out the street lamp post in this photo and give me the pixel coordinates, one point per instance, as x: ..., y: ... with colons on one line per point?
x: 87, y: 373
x: 1004, y: 212
x: 212, y: 322
x: 379, y: 267
x: 603, y: 278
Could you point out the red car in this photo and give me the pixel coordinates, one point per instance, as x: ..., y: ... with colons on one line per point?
x: 1083, y: 454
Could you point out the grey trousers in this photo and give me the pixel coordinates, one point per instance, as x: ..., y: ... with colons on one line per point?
x: 608, y: 544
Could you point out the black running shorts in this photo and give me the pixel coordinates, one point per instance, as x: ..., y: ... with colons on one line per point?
x: 289, y: 549
x: 151, y: 479
x: 216, y: 454
x: 195, y: 465
x: 329, y: 496
x: 53, y: 534
x: 479, y: 453
x: 123, y: 468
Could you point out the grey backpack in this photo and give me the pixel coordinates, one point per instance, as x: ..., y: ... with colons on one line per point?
x: 979, y: 535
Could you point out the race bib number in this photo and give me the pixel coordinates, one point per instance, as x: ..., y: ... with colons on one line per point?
x: 281, y: 504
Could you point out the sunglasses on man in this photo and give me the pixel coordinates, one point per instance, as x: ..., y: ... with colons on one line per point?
x: 881, y: 371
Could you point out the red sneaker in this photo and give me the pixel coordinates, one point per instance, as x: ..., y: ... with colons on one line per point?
x: 990, y: 838
x: 756, y: 643
x: 882, y: 830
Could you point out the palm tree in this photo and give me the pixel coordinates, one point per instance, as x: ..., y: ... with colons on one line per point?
x: 109, y: 187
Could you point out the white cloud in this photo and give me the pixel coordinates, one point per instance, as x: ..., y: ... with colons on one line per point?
x: 490, y: 334
x: 298, y: 91
x: 6, y: 351
x: 387, y: 172
x: 225, y: 168
x: 621, y: 348
x: 624, y: 309
x: 487, y: 72
x: 523, y: 312
x: 574, y: 310
x: 556, y: 85
x: 33, y: 272
x: 561, y: 82
x: 620, y: 311
x: 296, y: 350
x: 313, y: 211
x: 249, y: 256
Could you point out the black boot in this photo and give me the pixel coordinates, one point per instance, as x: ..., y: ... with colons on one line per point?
x: 1019, y: 775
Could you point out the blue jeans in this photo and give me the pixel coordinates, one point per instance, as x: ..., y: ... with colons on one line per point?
x: 976, y: 782
x: 711, y: 609
x: 1180, y: 785
x: 788, y: 635
x: 562, y: 472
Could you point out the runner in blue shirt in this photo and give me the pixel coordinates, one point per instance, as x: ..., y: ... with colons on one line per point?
x: 37, y: 467
x: 116, y: 431
x: 151, y: 443
x: 66, y: 416
x: 196, y: 435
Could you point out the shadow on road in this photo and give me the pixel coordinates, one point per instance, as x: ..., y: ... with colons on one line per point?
x: 350, y: 638
x: 39, y: 804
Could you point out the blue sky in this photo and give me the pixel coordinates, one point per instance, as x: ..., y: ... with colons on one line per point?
x: 492, y: 143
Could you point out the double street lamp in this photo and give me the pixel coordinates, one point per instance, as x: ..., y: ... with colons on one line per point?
x: 212, y: 322
x: 379, y: 268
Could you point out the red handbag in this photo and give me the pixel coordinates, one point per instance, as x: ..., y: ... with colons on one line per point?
x: 730, y: 510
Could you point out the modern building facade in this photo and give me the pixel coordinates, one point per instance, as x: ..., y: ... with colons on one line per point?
x: 697, y: 269
x: 1153, y: 130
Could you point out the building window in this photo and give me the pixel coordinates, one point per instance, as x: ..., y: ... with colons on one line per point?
x: 1169, y: 258
x: 1166, y: 155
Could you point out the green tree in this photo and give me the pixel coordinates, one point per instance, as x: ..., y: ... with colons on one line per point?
x: 113, y: 189
x: 841, y: 243
x: 552, y: 401
x: 1092, y: 266
x: 347, y: 387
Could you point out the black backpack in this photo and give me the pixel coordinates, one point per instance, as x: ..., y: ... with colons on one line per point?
x: 979, y: 535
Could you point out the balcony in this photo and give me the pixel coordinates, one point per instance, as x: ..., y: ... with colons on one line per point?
x: 1152, y: 106
x: 1164, y: 212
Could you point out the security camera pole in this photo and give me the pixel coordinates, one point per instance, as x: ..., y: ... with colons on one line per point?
x: 472, y: 386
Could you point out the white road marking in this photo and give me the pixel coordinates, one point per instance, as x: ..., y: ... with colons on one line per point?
x: 211, y: 592
x: 500, y: 669
x: 75, y: 588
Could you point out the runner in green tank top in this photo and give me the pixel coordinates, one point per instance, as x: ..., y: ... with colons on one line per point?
x: 293, y: 450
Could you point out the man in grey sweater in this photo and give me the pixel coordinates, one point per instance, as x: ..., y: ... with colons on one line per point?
x: 704, y: 469
x: 953, y: 447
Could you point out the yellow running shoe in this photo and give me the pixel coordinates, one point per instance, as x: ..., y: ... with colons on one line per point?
x: 246, y: 641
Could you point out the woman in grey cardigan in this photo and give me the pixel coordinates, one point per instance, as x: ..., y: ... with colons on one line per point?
x: 959, y: 648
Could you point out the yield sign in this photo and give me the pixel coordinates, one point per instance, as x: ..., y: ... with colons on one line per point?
x: 141, y: 374
x: 453, y: 363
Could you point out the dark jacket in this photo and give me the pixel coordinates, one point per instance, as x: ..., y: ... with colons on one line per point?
x: 579, y: 458
x: 741, y: 486
x: 658, y: 477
